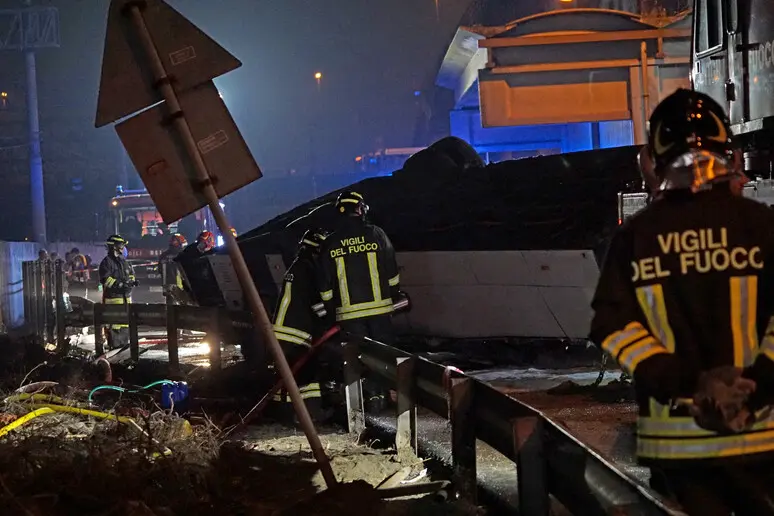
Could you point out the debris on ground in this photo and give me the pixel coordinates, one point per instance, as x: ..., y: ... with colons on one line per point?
x: 67, y: 448
x: 615, y: 391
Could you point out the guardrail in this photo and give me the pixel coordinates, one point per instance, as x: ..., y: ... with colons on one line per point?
x: 548, y: 460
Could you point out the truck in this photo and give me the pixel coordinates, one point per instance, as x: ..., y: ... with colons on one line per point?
x: 732, y: 61
x: 134, y: 216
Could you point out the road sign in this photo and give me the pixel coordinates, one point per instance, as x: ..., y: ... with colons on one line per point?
x: 168, y: 173
x: 179, y: 176
x: 189, y: 56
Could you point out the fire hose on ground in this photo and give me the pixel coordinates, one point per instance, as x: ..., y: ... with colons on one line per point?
x: 44, y: 404
x: 404, y: 304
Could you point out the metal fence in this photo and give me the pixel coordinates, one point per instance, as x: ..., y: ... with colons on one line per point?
x: 548, y: 460
x: 49, y: 311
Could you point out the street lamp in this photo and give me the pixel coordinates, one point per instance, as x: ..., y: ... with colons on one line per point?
x: 318, y: 78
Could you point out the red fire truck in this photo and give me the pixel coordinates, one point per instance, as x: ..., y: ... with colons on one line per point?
x: 134, y: 216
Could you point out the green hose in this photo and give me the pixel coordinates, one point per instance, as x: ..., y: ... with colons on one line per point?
x: 122, y: 389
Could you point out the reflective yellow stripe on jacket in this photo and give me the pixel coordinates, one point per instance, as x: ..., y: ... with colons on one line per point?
x: 631, y: 346
x: 665, y: 433
x: 348, y: 310
x: 669, y: 437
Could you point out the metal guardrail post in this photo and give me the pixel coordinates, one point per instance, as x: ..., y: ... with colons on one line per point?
x: 27, y: 291
x: 463, y: 437
x: 353, y: 388
x: 134, y: 334
x: 406, y: 429
x: 531, y: 466
x: 99, y: 344
x: 62, y: 344
x: 215, y: 340
x: 172, y: 349
x: 40, y: 302
x: 48, y: 289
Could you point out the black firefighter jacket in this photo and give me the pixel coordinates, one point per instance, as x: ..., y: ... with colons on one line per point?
x: 686, y: 287
x: 116, y: 276
x: 357, y: 271
x: 169, y: 268
x: 295, y: 321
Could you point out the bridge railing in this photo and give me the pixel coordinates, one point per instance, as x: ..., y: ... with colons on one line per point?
x: 49, y: 311
x: 548, y: 460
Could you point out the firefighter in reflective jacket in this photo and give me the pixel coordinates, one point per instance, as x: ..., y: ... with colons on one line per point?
x: 684, y: 294
x: 296, y: 323
x: 358, y: 279
x: 117, y: 279
x: 171, y: 278
x: 357, y: 272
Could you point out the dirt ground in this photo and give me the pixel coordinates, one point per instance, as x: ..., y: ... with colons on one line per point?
x: 66, y: 464
x: 284, y: 455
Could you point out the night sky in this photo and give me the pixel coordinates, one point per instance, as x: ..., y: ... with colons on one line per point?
x: 373, y: 55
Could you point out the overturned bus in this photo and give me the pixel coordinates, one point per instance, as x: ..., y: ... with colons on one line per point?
x: 508, y: 250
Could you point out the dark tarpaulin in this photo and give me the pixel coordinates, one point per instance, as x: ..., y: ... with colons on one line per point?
x: 546, y: 203
x: 550, y: 202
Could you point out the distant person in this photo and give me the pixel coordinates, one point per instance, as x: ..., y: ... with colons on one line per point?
x: 117, y: 278
x: 205, y: 243
x: 78, y: 265
x: 171, y: 278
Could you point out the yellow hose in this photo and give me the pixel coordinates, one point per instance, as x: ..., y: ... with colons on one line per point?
x: 25, y: 418
x: 84, y: 412
x: 47, y: 408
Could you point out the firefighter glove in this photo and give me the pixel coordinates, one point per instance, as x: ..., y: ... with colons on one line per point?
x: 720, y: 403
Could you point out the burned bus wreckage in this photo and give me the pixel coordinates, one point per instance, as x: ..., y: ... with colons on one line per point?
x: 512, y: 249
x: 508, y: 250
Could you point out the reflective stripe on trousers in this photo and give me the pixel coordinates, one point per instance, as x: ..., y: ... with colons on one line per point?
x: 116, y: 301
x: 309, y: 391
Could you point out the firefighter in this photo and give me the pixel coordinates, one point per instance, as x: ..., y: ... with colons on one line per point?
x: 117, y: 279
x: 296, y: 323
x: 78, y: 266
x: 205, y: 242
x: 357, y: 272
x: 684, y: 294
x: 358, y: 276
x: 171, y: 278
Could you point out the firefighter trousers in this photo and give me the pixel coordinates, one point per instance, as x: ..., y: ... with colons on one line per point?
x: 378, y: 328
x: 116, y: 335
x: 719, y: 490
x: 308, y: 384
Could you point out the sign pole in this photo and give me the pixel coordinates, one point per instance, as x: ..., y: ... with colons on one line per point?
x: 263, y: 325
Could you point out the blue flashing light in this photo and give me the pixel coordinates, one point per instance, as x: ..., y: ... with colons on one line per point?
x: 372, y: 161
x: 219, y: 241
x: 417, y: 93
